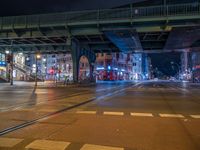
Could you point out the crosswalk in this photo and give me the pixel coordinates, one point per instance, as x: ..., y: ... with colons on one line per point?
x: 9, y: 142
x: 42, y: 144
x: 139, y: 114
x: 46, y: 144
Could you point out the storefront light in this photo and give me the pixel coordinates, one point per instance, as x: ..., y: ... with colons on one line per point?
x: 136, y: 76
x: 100, y: 68
x: 109, y: 67
x: 115, y: 69
x: 2, y: 62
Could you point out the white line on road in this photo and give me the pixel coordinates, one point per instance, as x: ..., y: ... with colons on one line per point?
x: 99, y: 147
x: 113, y: 113
x: 86, y: 112
x: 172, y: 115
x: 195, y: 116
x: 142, y: 114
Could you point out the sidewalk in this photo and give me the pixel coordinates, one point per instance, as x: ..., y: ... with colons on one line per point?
x: 46, y: 84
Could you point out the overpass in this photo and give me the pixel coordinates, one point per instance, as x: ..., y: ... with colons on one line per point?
x: 129, y: 29
x: 55, y: 31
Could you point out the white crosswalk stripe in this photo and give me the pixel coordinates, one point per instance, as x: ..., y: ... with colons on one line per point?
x: 99, y: 147
x: 172, y: 115
x: 48, y: 145
x: 113, y: 113
x: 9, y: 142
x: 142, y: 114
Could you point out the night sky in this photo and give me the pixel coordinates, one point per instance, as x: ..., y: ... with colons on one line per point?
x: 21, y: 7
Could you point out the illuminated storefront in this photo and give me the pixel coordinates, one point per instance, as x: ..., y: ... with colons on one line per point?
x: 2, y: 65
x: 19, y: 60
x: 58, y: 67
x: 84, y: 69
x: 195, y: 66
x: 114, y: 66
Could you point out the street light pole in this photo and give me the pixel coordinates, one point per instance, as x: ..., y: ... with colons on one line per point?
x: 38, y: 56
x: 11, y: 68
x: 36, y: 72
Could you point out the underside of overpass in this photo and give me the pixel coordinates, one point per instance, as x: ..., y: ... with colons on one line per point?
x: 135, y: 29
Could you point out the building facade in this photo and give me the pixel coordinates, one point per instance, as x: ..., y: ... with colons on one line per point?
x: 118, y: 66
x: 2, y: 65
x: 195, y: 57
x: 59, y: 67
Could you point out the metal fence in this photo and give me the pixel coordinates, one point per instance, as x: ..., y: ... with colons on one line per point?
x: 99, y: 15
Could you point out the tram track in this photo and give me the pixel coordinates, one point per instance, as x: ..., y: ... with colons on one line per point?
x: 25, y: 104
x: 108, y: 93
x: 47, y: 100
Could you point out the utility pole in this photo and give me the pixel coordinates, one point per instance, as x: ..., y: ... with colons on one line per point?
x: 11, y: 64
x: 38, y: 56
x: 36, y: 70
x: 11, y: 68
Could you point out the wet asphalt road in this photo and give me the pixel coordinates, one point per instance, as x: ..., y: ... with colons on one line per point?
x: 153, y: 115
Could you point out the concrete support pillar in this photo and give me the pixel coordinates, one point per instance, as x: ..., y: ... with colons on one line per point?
x: 91, y: 72
x: 184, y: 61
x: 185, y: 71
x: 75, y: 60
x: 144, y: 64
x: 7, y: 70
x: 9, y: 67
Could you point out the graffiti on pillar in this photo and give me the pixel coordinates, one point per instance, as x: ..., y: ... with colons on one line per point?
x: 86, y: 64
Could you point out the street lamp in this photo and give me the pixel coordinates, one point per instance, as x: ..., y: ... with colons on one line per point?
x: 38, y: 57
x: 7, y: 52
